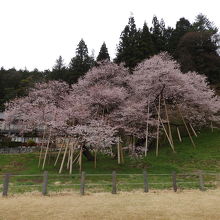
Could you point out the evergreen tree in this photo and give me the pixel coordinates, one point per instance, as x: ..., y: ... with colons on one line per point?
x: 59, y: 70
x: 158, y: 31
x: 127, y: 50
x: 103, y: 53
x: 81, y: 63
x: 182, y: 27
x: 146, y: 46
x: 197, y: 50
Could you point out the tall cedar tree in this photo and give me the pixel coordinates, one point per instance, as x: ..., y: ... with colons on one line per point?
x: 59, y: 71
x: 103, y: 53
x: 81, y: 63
x: 146, y: 45
x: 127, y: 50
x: 158, y: 31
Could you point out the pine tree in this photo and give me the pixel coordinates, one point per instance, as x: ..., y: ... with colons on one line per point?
x: 103, y: 53
x: 127, y: 50
x: 81, y: 63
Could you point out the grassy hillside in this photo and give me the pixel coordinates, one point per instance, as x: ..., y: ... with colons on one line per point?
x: 206, y: 157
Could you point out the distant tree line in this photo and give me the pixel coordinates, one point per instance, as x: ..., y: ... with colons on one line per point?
x: 194, y: 45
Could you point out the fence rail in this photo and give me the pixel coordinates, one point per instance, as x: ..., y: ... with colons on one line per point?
x: 175, y: 181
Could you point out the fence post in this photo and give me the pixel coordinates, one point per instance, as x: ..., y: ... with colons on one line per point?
x: 82, y: 183
x: 114, y: 182
x: 146, y: 189
x: 174, y: 181
x: 45, y: 182
x: 201, y: 181
x: 6, y: 184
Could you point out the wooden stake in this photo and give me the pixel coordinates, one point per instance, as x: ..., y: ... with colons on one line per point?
x: 64, y: 155
x: 118, y: 150
x: 48, y: 143
x: 41, y: 149
x: 122, y: 154
x: 80, y: 160
x: 95, y: 155
x: 186, y: 127
x: 146, y: 142
x: 160, y: 120
x: 178, y: 132
x: 168, y: 122
x: 212, y: 126
x: 158, y: 127
x: 71, y: 158
x: 194, y: 132
x: 58, y: 155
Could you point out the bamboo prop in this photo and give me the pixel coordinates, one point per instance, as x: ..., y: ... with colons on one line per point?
x: 48, y: 143
x: 71, y: 159
x: 158, y: 127
x: 122, y: 154
x: 133, y: 144
x: 186, y: 127
x: 194, y: 132
x: 41, y: 148
x: 68, y: 159
x: 80, y: 160
x: 58, y: 155
x: 147, y: 129
x: 95, y: 158
x: 212, y: 126
x: 168, y: 138
x: 179, y: 136
x: 77, y: 157
x: 64, y: 155
x: 168, y: 122
x: 118, y: 152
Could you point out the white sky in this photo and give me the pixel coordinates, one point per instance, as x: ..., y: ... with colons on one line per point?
x: 35, y: 32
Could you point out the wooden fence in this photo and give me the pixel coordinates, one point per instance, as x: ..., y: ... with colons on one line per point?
x: 82, y: 180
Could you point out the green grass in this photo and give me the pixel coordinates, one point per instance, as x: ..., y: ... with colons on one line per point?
x: 187, y: 159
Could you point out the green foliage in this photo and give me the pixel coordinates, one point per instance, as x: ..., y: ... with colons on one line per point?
x: 127, y: 50
x: 81, y: 63
x: 103, y: 53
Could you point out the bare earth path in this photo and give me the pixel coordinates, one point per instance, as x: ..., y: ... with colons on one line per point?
x: 192, y: 205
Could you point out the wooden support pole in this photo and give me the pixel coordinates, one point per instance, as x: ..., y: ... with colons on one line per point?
x: 95, y: 158
x: 174, y: 181
x: 186, y: 127
x: 147, y: 129
x: 158, y: 127
x: 48, y: 143
x: 179, y: 136
x: 5, y: 184
x: 82, y: 183
x: 114, y: 189
x: 41, y: 148
x: 118, y: 151
x: 64, y: 155
x: 160, y: 120
x: 212, y: 126
x: 194, y: 132
x: 71, y: 158
x: 45, y: 182
x: 168, y: 122
x: 201, y: 181
x: 146, y: 189
x: 80, y: 159
x: 58, y: 155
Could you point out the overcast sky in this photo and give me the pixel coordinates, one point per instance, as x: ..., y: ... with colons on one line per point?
x: 35, y: 32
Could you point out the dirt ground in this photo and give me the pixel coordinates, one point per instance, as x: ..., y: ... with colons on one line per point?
x: 159, y: 205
